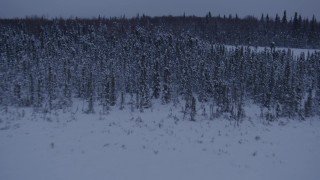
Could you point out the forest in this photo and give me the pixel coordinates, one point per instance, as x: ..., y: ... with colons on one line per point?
x: 132, y: 62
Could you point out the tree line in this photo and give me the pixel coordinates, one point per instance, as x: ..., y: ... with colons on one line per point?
x: 119, y: 62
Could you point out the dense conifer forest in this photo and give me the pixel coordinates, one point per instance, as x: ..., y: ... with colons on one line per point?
x: 121, y: 62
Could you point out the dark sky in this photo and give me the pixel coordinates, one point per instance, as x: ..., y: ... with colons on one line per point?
x: 107, y: 8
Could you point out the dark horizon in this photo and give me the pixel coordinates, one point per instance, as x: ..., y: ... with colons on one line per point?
x: 94, y: 8
x: 271, y: 17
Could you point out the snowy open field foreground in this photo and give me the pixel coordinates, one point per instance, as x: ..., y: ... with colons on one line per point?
x: 155, y: 145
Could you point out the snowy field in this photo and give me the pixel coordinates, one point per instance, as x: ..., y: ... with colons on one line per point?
x: 155, y: 145
x: 296, y: 52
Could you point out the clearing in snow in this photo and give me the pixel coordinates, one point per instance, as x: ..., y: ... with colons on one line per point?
x: 156, y: 144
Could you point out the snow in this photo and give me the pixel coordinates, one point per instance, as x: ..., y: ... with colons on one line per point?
x: 155, y: 144
x: 296, y: 52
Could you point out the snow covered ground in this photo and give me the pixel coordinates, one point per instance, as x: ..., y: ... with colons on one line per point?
x: 296, y: 52
x: 155, y: 145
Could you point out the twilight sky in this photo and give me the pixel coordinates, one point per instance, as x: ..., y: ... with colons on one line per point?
x: 107, y: 8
